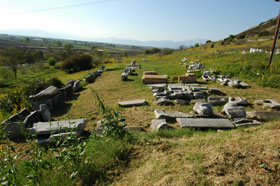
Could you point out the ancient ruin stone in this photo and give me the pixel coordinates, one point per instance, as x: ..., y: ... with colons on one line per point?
x: 76, y: 86
x: 269, y: 103
x: 33, y: 117
x: 234, y: 111
x: 44, y: 128
x: 45, y: 113
x: 203, y: 109
x: 216, y: 100
x: 238, y: 100
x: 181, y: 102
x: 264, y: 115
x: 139, y: 102
x: 154, y: 79
x: 159, y: 124
x: 164, y: 101
x: 170, y: 116
x: 205, y: 123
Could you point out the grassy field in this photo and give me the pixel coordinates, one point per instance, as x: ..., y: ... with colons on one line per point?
x: 179, y: 157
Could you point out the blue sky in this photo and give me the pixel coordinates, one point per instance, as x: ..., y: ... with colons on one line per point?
x: 138, y: 19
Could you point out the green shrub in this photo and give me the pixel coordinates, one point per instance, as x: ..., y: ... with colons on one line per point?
x: 152, y: 51
x: 77, y: 63
x: 52, y: 61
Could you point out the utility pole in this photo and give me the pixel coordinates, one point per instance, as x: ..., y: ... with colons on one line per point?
x: 275, y: 38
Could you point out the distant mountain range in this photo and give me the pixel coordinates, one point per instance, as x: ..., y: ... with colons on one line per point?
x: 58, y: 35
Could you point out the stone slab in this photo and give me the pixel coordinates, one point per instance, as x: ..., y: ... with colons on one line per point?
x: 158, y: 124
x: 50, y: 91
x: 170, y: 116
x: 205, y: 123
x: 133, y: 103
x: 52, y: 127
x: 154, y: 79
x: 264, y: 115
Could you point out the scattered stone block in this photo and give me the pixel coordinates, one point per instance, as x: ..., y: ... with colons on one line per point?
x: 33, y: 117
x: 44, y: 128
x: 238, y: 122
x: 205, y: 123
x: 159, y: 124
x: 199, y: 95
x: 238, y: 100
x: 263, y: 115
x: 194, y: 101
x: 45, y: 113
x: 124, y: 76
x: 139, y: 102
x: 164, y: 101
x: 170, y: 116
x: 181, y: 102
x: 154, y: 79
x: 244, y: 85
x: 51, y: 96
x: 216, y: 100
x: 159, y: 87
x: 76, y: 86
x: 89, y: 79
x: 269, y: 103
x: 234, y: 83
x: 187, y: 78
x: 203, y: 109
x: 14, y: 130
x: 234, y: 111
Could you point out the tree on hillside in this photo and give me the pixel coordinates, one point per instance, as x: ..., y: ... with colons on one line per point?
x: 12, y: 57
x: 69, y: 48
x: 181, y: 47
x: 38, y: 55
x: 58, y: 43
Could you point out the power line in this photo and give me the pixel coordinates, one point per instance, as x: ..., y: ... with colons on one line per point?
x: 60, y: 7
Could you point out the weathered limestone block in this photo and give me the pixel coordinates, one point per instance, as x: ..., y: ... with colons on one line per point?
x: 45, y: 113
x: 33, y: 117
x: 159, y: 124
x: 234, y: 111
x: 216, y: 100
x: 269, y: 103
x: 139, y: 102
x: 170, y: 116
x: 203, y: 109
x: 205, y: 123
x: 154, y: 79
x: 164, y: 101
x: 43, y: 128
x: 264, y: 115
x: 76, y: 86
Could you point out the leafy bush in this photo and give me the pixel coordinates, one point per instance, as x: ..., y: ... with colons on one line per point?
x: 264, y: 33
x: 52, y: 61
x: 152, y: 51
x: 166, y: 51
x: 77, y: 63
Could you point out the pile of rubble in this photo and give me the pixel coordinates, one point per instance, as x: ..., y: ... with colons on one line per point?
x: 130, y: 70
x: 194, y: 66
x: 224, y: 80
x: 183, y: 94
x: 90, y: 78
